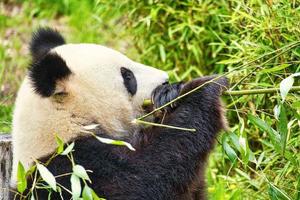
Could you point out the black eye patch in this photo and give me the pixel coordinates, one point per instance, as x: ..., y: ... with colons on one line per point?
x: 129, y: 80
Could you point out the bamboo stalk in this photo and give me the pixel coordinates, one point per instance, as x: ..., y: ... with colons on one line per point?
x: 244, y: 92
x: 138, y: 121
x: 257, y: 91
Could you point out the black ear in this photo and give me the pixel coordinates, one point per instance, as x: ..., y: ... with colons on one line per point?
x: 45, y: 73
x: 43, y: 40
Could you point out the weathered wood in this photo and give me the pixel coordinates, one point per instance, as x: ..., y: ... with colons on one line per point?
x: 5, y: 164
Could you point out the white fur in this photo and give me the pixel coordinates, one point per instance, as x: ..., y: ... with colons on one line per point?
x: 96, y: 93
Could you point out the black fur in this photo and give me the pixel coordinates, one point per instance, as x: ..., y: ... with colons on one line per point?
x: 43, y: 40
x: 164, y: 94
x: 168, y: 164
x: 45, y: 73
x: 129, y: 80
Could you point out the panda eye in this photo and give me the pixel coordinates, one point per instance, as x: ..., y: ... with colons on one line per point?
x: 61, y: 94
x: 129, y: 80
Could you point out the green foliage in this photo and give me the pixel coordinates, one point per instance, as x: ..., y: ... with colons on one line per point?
x: 47, y: 176
x: 257, y: 41
x: 5, y: 118
x: 47, y: 180
x: 22, y: 181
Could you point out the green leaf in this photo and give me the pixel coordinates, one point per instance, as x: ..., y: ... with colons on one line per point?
x: 75, y: 186
x: 115, y: 142
x: 285, y: 86
x: 296, y: 74
x: 95, y: 196
x: 298, y: 189
x: 235, y: 140
x: 276, y: 111
x: 296, y: 104
x: 68, y: 149
x: 274, y: 136
x: 275, y: 69
x: 230, y: 61
x: 60, y: 144
x: 162, y: 53
x: 80, y: 172
x: 276, y: 194
x: 87, y: 193
x: 243, y: 145
x: 260, y: 159
x: 91, y: 127
x: 47, y: 176
x: 21, y: 178
x: 31, y: 170
x: 229, y: 151
x: 283, y: 128
x: 32, y: 197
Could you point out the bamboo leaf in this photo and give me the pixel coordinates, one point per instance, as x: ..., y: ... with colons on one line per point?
x: 283, y: 128
x: 276, y: 111
x: 68, y: 149
x: 162, y: 53
x: 242, y: 143
x: 276, y: 194
x: 75, y: 187
x: 87, y: 193
x: 32, y: 197
x: 229, y: 152
x: 296, y: 104
x: 285, y: 86
x: 60, y: 144
x: 115, y: 142
x: 80, y: 172
x: 90, y: 127
x: 235, y: 140
x: 21, y: 178
x: 274, y: 136
x: 230, y: 61
x: 47, y: 176
x: 275, y: 69
x: 296, y: 74
x: 30, y: 170
x: 95, y: 196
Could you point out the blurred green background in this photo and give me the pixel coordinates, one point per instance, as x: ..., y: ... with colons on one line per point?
x: 257, y: 41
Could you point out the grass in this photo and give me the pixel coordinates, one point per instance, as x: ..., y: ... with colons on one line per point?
x: 256, y: 41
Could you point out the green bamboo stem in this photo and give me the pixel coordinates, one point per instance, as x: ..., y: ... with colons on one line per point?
x: 148, y: 102
x: 138, y: 121
x: 257, y: 91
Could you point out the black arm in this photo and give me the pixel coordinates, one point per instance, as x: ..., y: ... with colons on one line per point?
x: 166, y: 167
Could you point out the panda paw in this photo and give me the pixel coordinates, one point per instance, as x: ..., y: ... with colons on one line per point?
x: 164, y: 94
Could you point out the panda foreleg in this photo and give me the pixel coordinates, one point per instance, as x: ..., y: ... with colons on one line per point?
x: 171, y: 165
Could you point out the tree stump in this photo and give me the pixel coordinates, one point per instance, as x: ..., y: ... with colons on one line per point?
x: 5, y: 165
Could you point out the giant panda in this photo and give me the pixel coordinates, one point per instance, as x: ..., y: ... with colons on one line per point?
x: 70, y: 86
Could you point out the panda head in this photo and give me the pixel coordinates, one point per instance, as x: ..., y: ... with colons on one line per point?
x: 73, y: 85
x: 90, y: 81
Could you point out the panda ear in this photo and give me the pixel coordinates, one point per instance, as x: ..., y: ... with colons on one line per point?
x: 43, y: 40
x: 45, y: 73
